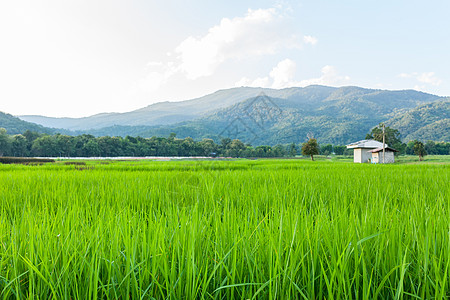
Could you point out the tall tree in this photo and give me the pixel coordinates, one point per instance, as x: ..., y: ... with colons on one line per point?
x: 292, y: 150
x: 45, y: 146
x: 326, y: 149
x: 5, y: 143
x: 19, y: 145
x: 311, y: 148
x: 392, y: 136
x: 419, y: 149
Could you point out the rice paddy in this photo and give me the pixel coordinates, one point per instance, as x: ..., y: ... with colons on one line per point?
x: 264, y: 229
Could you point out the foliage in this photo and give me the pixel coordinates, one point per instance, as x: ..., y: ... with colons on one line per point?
x: 85, y: 145
x: 4, y: 142
x: 419, y: 150
x: 339, y: 150
x: 311, y: 148
x: 15, y: 125
x: 392, y: 136
x: 59, y: 145
x: 326, y: 149
x: 429, y: 121
x: 336, y: 116
x: 224, y: 230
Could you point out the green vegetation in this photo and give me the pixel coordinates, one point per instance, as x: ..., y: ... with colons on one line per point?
x: 264, y: 229
x: 419, y: 149
x: 16, y: 126
x: 429, y: 121
x: 336, y: 116
x: 392, y: 137
x: 311, y: 148
x: 43, y: 145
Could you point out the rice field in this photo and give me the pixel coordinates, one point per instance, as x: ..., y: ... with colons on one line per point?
x: 264, y: 229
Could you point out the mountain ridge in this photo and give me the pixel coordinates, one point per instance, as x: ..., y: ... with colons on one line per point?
x: 167, y: 113
x: 333, y: 115
x: 336, y: 121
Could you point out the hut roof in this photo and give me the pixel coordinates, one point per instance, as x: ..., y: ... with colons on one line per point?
x: 369, y: 144
x: 381, y: 149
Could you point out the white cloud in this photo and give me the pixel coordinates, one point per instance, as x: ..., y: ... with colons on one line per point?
x: 157, y: 75
x: 282, y: 76
x: 258, y: 82
x: 429, y: 78
x: 426, y: 77
x: 283, y: 73
x: 330, y: 76
x: 310, y: 40
x: 259, y: 32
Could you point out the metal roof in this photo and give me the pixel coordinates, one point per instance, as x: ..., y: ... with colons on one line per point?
x: 381, y: 149
x: 370, y: 144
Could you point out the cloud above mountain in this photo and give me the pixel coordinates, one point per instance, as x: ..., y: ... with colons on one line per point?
x: 283, y: 76
x: 259, y: 32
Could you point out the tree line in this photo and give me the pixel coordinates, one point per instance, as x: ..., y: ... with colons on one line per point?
x: 414, y: 147
x: 33, y: 144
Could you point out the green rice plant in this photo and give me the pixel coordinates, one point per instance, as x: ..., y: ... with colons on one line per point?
x: 264, y: 229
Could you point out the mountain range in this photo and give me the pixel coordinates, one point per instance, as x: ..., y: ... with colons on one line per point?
x: 269, y: 116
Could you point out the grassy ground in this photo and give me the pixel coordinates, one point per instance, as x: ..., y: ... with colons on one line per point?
x: 401, y: 159
x: 225, y: 230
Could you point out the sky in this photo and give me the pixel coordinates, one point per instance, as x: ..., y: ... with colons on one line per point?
x: 77, y: 58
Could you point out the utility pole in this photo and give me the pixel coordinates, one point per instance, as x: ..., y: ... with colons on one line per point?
x: 384, y: 146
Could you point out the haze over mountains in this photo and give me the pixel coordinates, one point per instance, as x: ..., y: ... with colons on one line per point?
x: 269, y: 116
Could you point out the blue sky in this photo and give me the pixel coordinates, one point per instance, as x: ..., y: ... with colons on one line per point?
x: 78, y: 58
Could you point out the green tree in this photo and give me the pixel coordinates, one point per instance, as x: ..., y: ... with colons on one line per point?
x: 5, y: 142
x: 224, y: 143
x: 91, y: 148
x: 279, y: 151
x: 419, y: 149
x: 430, y: 147
x: 409, y: 148
x: 208, y: 147
x: 392, y: 136
x: 235, y: 148
x: 339, y: 150
x: 326, y: 149
x: 311, y: 148
x: 263, y: 151
x: 45, y: 146
x: 292, y: 150
x: 64, y: 144
x: 19, y: 145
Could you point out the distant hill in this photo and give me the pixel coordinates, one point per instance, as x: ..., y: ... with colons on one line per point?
x: 430, y: 121
x: 162, y: 113
x: 269, y: 116
x: 14, y: 125
x: 166, y: 113
x: 332, y: 115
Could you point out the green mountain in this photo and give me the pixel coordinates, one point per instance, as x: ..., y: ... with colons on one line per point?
x: 167, y: 113
x: 332, y: 115
x: 430, y: 121
x: 162, y: 113
x: 14, y: 125
x: 269, y: 116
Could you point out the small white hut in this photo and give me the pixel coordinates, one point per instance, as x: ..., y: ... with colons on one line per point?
x: 361, y: 150
x: 377, y: 155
